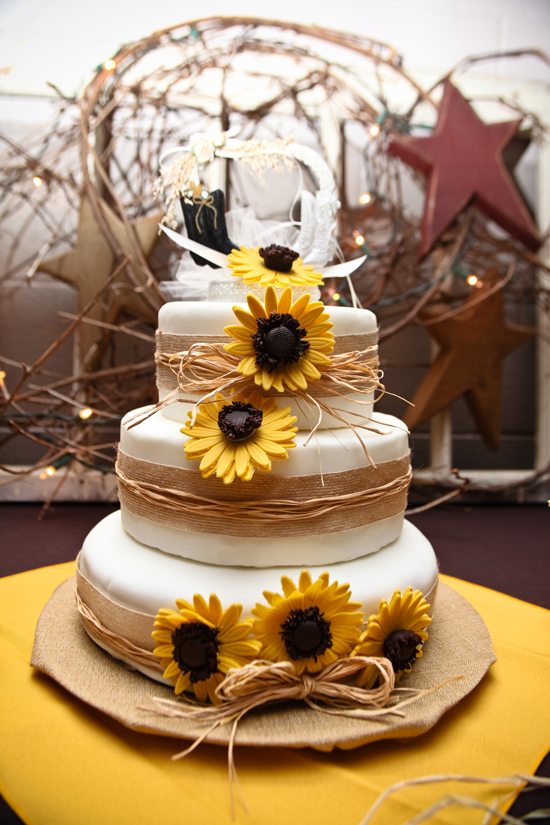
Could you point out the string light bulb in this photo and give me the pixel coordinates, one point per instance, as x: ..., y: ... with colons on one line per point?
x: 374, y: 130
x: 37, y: 181
x: 48, y: 472
x: 359, y: 239
x: 85, y: 413
x: 365, y: 198
x: 472, y: 280
x: 110, y: 65
x: 336, y: 297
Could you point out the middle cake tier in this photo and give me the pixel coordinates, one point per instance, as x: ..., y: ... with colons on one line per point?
x: 340, y: 495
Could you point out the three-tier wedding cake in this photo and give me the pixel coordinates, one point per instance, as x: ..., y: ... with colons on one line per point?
x: 262, y: 499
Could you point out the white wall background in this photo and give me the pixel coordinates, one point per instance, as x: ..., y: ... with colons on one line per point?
x: 62, y: 41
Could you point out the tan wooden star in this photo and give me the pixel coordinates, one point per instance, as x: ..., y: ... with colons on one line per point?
x: 469, y: 363
x: 88, y: 266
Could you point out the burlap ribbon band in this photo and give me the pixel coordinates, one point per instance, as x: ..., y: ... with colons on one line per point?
x: 269, y: 506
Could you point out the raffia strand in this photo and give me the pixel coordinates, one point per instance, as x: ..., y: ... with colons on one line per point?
x: 516, y: 781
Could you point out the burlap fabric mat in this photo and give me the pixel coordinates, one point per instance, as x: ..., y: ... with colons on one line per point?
x: 459, y: 645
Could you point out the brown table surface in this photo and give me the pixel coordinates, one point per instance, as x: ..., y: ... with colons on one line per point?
x: 504, y: 547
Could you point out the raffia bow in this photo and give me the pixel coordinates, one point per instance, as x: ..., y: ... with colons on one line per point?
x: 262, y: 683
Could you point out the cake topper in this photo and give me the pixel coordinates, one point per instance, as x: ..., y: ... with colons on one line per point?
x: 236, y: 242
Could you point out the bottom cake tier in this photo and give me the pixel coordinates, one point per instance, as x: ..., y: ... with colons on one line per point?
x: 121, y: 584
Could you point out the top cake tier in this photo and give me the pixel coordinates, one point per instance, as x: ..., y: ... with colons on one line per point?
x: 183, y: 324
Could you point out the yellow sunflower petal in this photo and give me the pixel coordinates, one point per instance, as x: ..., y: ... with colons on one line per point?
x: 239, y: 649
x: 304, y: 581
x: 171, y: 671
x: 211, y: 457
x: 258, y: 455
x: 266, y: 379
x: 201, y: 446
x: 214, y: 609
x: 240, y: 348
x: 200, y: 690
x: 276, y: 414
x: 237, y: 633
x: 242, y: 460
x: 246, y: 319
x: 248, y: 366
x: 271, y: 448
x: 316, y: 357
x: 182, y: 683
x: 277, y: 382
x: 163, y: 651
x: 295, y: 373
x: 288, y: 586
x: 239, y: 332
x: 230, y: 475
x: 201, y: 607
x: 312, y: 314
x: 231, y: 619
x: 271, y: 302
x: 285, y: 301
x: 225, y: 462
x: 299, y: 305
x: 255, y: 305
x: 309, y: 371
x: 199, y: 431
x: 163, y: 636
x: 267, y: 278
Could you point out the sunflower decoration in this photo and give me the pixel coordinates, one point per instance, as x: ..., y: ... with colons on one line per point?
x: 272, y: 265
x: 198, y: 643
x: 397, y: 631
x: 235, y: 438
x: 311, y: 624
x: 282, y: 344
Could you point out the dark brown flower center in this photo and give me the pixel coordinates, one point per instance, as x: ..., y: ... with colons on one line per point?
x: 400, y: 648
x: 196, y: 650
x: 306, y: 633
x: 238, y: 421
x: 278, y: 340
x: 278, y: 258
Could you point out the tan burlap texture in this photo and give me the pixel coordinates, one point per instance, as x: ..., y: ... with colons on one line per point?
x: 459, y: 646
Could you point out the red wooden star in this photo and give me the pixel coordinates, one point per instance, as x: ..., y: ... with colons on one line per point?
x: 463, y: 160
x: 469, y: 363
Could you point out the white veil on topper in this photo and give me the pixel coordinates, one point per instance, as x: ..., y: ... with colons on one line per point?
x: 312, y: 237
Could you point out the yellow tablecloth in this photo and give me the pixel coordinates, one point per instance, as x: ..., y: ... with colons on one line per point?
x: 63, y: 763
